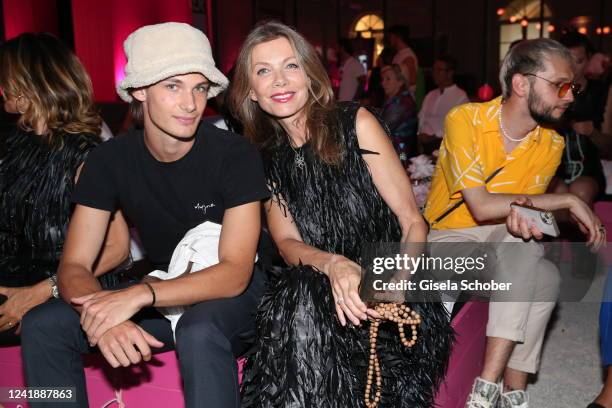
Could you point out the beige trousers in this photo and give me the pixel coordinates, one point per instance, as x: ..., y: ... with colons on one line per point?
x: 535, y: 280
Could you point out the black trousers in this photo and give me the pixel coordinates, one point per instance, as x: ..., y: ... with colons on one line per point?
x: 209, y: 336
x: 9, y: 338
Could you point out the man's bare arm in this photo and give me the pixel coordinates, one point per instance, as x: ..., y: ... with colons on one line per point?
x: 485, y: 206
x: 230, y: 277
x: 116, y: 248
x: 84, y: 240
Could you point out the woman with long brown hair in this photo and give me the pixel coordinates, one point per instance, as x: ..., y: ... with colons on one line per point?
x: 44, y: 83
x: 337, y: 184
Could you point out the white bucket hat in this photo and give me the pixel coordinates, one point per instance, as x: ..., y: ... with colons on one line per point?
x: 161, y: 51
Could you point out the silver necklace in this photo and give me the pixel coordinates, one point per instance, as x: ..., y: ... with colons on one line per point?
x: 503, y: 129
x: 298, y: 159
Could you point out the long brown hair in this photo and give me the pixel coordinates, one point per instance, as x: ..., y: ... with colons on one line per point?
x: 320, y: 112
x: 46, y: 74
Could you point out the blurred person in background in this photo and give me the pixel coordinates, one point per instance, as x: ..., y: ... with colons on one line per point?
x: 438, y: 103
x: 399, y: 40
x: 580, y: 171
x: 352, y: 72
x: 399, y: 112
x: 376, y: 92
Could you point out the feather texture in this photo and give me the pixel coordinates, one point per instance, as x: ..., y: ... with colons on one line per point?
x: 302, y: 356
x: 36, y: 183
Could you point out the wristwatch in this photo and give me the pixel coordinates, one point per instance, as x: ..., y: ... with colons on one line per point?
x: 54, y: 289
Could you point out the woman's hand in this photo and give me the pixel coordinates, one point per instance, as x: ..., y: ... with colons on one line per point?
x: 345, y: 276
x: 106, y: 309
x: 19, y: 301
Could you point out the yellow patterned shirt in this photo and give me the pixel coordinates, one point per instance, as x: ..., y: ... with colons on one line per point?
x: 473, y: 148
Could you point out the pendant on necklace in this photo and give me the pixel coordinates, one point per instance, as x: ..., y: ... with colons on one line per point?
x: 299, y: 161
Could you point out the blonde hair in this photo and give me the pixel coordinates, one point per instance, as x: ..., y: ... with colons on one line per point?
x: 399, y: 75
x: 320, y: 110
x: 40, y: 69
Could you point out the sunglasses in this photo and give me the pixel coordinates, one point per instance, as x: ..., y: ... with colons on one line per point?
x: 562, y: 88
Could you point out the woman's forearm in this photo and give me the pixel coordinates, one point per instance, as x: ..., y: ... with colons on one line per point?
x: 414, y: 230
x: 296, y: 252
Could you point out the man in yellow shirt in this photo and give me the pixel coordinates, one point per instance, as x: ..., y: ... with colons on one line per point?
x: 494, y: 154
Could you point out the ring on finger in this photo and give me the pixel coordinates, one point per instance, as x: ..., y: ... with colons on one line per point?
x: 602, y: 228
x: 340, y: 301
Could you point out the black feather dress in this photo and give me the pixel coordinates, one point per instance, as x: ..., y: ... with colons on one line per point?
x: 303, y: 357
x: 36, y: 183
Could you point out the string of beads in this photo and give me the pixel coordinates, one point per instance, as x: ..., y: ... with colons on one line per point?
x: 397, y: 313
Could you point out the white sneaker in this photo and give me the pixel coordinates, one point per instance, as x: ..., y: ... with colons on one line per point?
x: 484, y: 394
x: 514, y: 399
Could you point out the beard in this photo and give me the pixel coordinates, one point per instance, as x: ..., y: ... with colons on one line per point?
x: 540, y: 112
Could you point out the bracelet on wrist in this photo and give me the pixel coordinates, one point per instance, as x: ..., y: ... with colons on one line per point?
x: 54, y: 287
x: 148, y: 285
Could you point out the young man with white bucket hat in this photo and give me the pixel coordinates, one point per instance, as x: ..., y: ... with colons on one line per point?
x: 167, y: 177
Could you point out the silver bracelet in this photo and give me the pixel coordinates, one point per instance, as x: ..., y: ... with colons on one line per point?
x: 54, y: 288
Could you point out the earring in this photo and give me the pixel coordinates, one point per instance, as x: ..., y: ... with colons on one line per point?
x: 21, y: 111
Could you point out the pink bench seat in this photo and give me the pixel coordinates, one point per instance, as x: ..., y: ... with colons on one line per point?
x: 467, y: 357
x: 146, y: 385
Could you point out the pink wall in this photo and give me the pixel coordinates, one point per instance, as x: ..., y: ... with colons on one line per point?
x: 93, y: 44
x: 20, y: 17
x: 101, y: 27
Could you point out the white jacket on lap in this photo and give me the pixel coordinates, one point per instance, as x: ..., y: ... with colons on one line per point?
x: 200, y: 246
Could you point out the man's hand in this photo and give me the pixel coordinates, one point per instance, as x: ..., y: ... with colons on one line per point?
x: 19, y: 301
x: 127, y: 343
x: 106, y: 309
x: 519, y: 226
x: 584, y: 128
x: 588, y: 223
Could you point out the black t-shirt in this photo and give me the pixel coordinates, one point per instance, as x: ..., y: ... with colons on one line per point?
x: 164, y: 200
